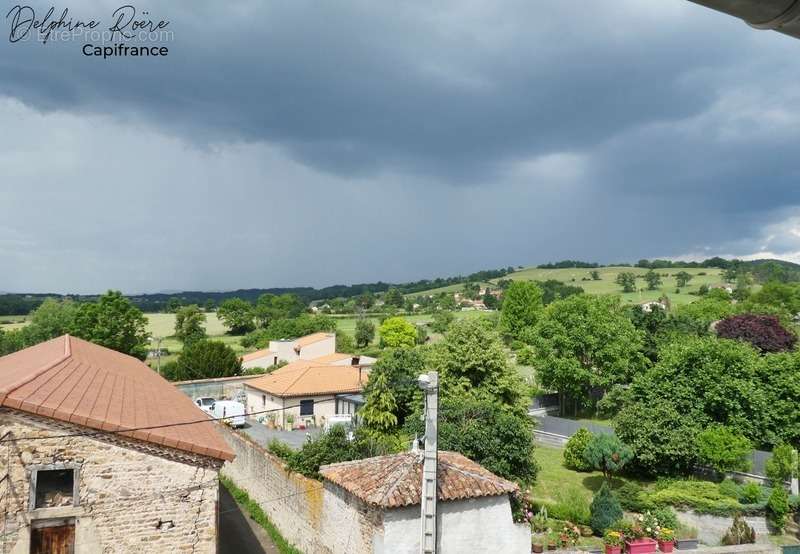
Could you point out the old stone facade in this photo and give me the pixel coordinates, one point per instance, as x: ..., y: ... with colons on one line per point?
x: 114, y: 495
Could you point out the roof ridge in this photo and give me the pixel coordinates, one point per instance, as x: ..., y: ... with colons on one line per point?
x: 409, y: 462
x: 466, y: 471
x: 39, y: 371
x: 302, y: 373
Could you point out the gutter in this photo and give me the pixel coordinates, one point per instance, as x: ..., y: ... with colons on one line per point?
x: 782, y: 16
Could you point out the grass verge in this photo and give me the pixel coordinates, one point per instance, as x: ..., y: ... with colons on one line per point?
x: 258, y: 515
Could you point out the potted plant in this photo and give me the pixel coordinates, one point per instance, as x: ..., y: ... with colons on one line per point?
x: 686, y: 538
x: 552, y: 540
x: 570, y: 534
x: 639, y: 542
x: 613, y: 542
x: 537, y: 544
x: 666, y: 539
x: 539, y: 521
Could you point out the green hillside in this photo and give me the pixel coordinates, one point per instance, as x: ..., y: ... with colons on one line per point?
x: 606, y: 284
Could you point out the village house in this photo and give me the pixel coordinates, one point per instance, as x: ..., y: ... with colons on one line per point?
x: 318, y: 347
x: 373, y: 506
x: 91, y: 460
x: 307, y: 392
x: 288, y: 350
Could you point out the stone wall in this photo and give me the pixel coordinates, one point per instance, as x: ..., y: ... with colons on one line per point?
x: 125, y: 488
x: 711, y: 529
x: 316, y: 518
x: 326, y: 519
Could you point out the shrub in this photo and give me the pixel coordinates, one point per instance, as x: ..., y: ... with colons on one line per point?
x: 613, y: 401
x: 665, y: 517
x: 605, y: 510
x: 765, y: 332
x: 328, y: 448
x: 724, y: 450
x: 633, y: 498
x: 701, y: 496
x: 280, y: 449
x: 739, y: 533
x: 778, y: 508
x: 570, y: 505
x: 575, y: 448
x: 608, y: 454
x: 782, y: 465
x: 730, y: 488
x: 751, y: 493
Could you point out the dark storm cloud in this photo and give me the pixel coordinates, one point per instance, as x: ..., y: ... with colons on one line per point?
x: 292, y: 143
x: 353, y: 87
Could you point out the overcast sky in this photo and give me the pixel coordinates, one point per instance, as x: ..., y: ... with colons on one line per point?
x: 314, y: 143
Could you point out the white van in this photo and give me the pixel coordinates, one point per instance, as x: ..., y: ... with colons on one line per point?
x: 231, y: 410
x: 205, y: 403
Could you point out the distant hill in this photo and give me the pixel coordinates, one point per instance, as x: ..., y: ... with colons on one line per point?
x: 568, y: 271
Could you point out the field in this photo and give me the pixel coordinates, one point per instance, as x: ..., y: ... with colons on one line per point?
x: 449, y: 288
x: 606, y: 284
x: 11, y: 322
x: 348, y: 323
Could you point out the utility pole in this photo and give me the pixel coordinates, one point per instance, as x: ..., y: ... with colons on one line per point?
x: 430, y: 384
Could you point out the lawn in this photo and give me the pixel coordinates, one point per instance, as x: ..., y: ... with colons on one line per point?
x: 554, y: 480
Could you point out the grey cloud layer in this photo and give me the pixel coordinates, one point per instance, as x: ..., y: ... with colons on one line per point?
x: 302, y: 142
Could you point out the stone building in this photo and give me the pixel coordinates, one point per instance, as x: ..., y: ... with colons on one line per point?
x: 373, y: 506
x: 91, y: 460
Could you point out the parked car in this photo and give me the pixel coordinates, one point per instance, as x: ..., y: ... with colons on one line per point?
x: 232, y: 411
x: 205, y: 403
x: 346, y: 420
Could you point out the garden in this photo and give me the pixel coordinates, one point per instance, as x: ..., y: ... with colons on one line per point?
x: 585, y: 500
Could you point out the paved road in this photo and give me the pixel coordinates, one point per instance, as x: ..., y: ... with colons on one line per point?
x: 238, y: 534
x: 262, y: 435
x: 568, y: 427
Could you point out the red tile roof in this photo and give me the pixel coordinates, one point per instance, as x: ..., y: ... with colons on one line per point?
x: 257, y: 354
x: 395, y: 481
x: 79, y: 382
x: 302, y: 378
x: 312, y: 338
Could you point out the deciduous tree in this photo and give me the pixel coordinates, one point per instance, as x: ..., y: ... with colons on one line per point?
x: 237, y: 315
x: 396, y: 332
x: 765, y: 332
x: 522, y: 306
x: 113, y: 322
x: 585, y: 341
x: 190, y: 324
x: 365, y: 332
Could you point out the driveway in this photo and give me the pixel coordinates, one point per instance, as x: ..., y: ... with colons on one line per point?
x: 263, y: 435
x: 238, y: 534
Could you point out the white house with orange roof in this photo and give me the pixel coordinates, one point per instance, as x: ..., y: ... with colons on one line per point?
x: 288, y: 350
x: 308, y: 391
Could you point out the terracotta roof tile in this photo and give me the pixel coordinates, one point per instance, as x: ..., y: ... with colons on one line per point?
x: 395, y: 481
x: 73, y: 380
x: 334, y: 357
x: 257, y: 354
x: 311, y: 339
x: 302, y: 378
